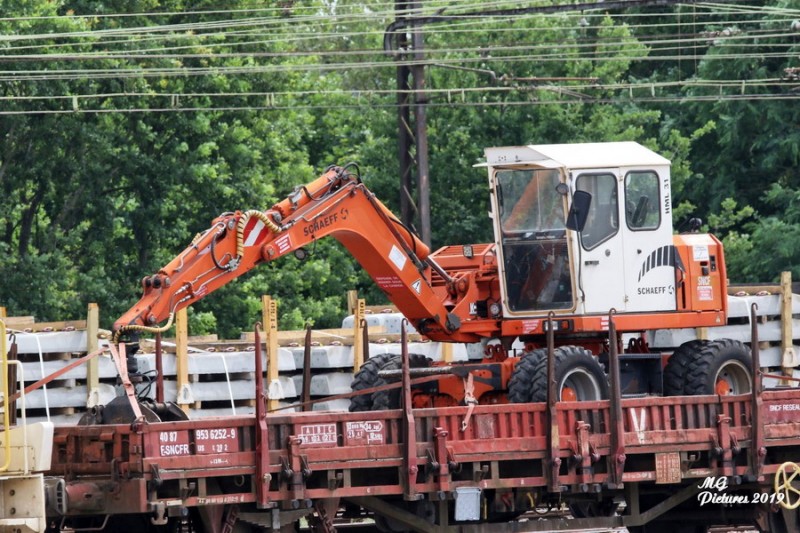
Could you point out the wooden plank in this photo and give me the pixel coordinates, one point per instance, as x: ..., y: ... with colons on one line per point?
x: 92, y: 367
x: 358, y: 335
x: 27, y: 324
x: 447, y: 352
x: 755, y: 288
x: 378, y: 309
x: 269, y: 311
x: 352, y: 302
x: 182, y: 362
x: 788, y: 359
x: 322, y: 336
x: 18, y: 322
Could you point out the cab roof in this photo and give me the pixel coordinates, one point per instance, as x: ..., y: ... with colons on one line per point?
x: 576, y: 155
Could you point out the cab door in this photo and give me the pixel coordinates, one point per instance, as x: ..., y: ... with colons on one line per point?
x: 601, y: 260
x: 650, y: 256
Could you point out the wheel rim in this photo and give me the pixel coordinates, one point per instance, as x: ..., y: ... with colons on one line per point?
x: 580, y: 385
x: 732, y: 378
x: 784, y: 478
x: 568, y: 395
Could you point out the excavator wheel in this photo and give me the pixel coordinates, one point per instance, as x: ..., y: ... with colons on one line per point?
x: 721, y: 367
x: 675, y: 371
x: 519, y: 386
x: 390, y: 399
x: 579, y: 376
x: 366, y: 378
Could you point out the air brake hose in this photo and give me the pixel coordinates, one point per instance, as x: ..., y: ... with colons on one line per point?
x: 243, y: 222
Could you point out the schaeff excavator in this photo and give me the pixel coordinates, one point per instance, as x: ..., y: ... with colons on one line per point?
x: 579, y: 230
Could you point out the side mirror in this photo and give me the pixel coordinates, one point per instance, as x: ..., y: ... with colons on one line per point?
x: 579, y: 210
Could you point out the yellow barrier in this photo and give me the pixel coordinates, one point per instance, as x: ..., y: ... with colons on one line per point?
x: 6, y: 395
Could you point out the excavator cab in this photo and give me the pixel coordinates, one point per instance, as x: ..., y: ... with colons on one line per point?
x: 612, y: 259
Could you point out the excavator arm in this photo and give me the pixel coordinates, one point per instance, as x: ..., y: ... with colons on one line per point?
x: 337, y: 204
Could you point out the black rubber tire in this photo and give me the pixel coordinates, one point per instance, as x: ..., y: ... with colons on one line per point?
x: 568, y: 359
x: 365, y: 378
x: 712, y: 361
x: 675, y: 371
x: 519, y: 386
x: 390, y: 399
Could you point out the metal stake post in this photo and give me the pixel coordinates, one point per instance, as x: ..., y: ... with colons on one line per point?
x: 757, y: 450
x: 409, y: 425
x: 617, y: 466
x: 553, y: 437
x: 262, y: 438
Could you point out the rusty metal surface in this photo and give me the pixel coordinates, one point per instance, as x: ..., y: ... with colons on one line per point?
x: 616, y: 462
x: 310, y: 456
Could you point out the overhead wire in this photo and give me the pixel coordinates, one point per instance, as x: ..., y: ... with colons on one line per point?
x: 532, y: 85
x: 282, y: 21
x: 656, y: 49
x: 161, y: 52
x: 513, y: 55
x: 488, y: 104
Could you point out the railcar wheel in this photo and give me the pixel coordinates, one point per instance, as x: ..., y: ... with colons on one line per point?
x: 579, y: 376
x: 721, y: 367
x: 675, y: 371
x: 366, y: 378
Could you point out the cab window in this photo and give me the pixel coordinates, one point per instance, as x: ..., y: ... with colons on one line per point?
x: 602, y: 222
x: 529, y: 201
x: 534, y: 240
x: 642, y: 202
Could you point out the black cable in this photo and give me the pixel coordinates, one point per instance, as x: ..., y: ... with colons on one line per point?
x: 213, y: 250
x: 353, y: 164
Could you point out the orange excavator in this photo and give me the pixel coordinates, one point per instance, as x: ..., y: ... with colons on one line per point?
x: 579, y: 229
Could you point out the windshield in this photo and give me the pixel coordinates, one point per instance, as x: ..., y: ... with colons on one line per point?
x: 534, y: 242
x: 529, y: 202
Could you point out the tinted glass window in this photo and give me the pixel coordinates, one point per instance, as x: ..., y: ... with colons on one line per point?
x: 642, y: 203
x: 603, y: 220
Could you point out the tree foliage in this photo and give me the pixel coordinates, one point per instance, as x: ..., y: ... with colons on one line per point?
x: 187, y: 121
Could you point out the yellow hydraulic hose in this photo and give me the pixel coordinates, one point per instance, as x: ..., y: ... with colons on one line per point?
x: 6, y: 395
x: 243, y: 222
x: 146, y: 329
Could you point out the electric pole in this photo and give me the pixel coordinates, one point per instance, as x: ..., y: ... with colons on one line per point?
x: 412, y: 206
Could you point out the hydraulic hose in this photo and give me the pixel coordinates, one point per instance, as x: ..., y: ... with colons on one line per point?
x: 243, y: 222
x: 139, y: 327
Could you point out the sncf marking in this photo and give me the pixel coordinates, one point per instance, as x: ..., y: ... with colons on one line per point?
x: 254, y: 231
x: 284, y: 243
x: 604, y: 323
x: 664, y: 256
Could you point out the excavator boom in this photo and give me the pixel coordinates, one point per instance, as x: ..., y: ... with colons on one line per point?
x: 337, y: 204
